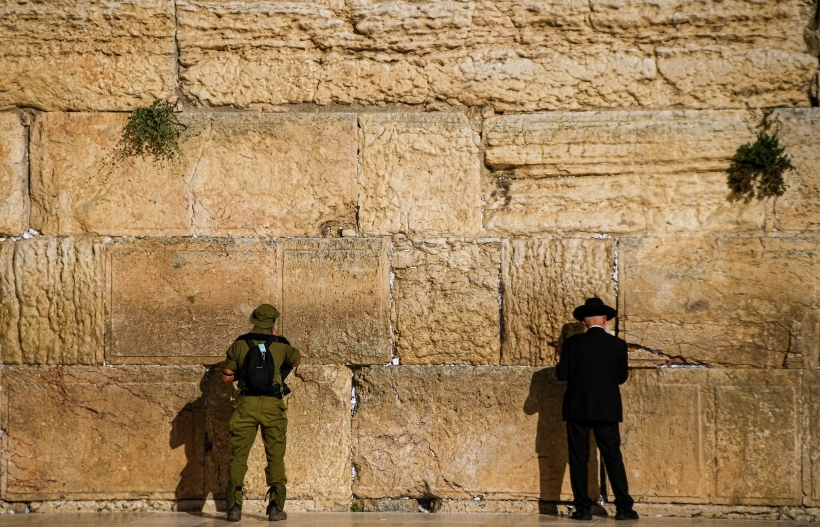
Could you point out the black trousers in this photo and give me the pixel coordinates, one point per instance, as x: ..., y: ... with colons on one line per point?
x: 608, y: 437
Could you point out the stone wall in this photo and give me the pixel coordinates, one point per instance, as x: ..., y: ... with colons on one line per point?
x: 426, y: 191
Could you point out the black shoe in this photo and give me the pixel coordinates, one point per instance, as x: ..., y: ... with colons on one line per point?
x: 235, y: 513
x: 274, y: 514
x: 622, y: 514
x: 581, y: 515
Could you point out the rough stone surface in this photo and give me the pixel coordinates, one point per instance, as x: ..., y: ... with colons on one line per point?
x: 722, y: 301
x: 52, y: 301
x: 240, y: 175
x: 810, y: 424
x: 618, y: 172
x: 78, y: 187
x: 318, y: 453
x: 567, y: 55
x: 334, y: 296
x: 420, y: 174
x: 757, y: 437
x: 543, y: 281
x: 100, y: 432
x: 184, y: 301
x: 667, y: 443
x: 275, y: 175
x: 798, y: 130
x: 14, y: 202
x: 445, y: 302
x: 86, y: 54
x: 460, y: 432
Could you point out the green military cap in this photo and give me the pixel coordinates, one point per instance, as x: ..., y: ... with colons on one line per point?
x: 264, y: 316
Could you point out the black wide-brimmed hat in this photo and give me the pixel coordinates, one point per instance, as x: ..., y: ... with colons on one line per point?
x: 594, y: 307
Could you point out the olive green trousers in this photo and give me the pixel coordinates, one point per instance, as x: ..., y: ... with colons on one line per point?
x: 249, y: 415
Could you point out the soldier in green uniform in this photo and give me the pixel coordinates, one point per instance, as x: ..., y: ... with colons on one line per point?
x: 266, y: 409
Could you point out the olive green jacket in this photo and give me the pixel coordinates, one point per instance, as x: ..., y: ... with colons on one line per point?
x: 283, y: 354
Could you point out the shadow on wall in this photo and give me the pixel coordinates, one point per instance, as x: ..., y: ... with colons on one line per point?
x: 545, y: 398
x: 201, y: 428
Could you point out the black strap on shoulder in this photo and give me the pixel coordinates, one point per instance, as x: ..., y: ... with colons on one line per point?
x: 269, y: 339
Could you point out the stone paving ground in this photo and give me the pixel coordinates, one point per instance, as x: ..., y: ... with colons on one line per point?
x: 312, y: 519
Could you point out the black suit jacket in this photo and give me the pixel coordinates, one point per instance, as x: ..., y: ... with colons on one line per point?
x: 595, y: 365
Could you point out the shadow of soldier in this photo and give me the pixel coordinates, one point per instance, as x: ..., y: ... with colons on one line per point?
x: 545, y: 397
x: 201, y: 428
x: 218, y: 411
x: 186, y: 432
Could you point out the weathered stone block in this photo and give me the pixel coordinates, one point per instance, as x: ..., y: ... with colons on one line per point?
x: 86, y: 54
x: 542, y: 55
x: 797, y: 210
x: 667, y: 444
x: 420, y: 174
x: 811, y: 437
x: 619, y: 172
x: 460, y: 432
x: 102, y: 433
x: 79, y: 187
x: 445, y: 302
x: 543, y: 281
x: 318, y: 454
x: 240, y: 175
x: 722, y: 301
x: 275, y: 175
x: 52, y: 301
x: 182, y: 301
x: 757, y: 437
x: 334, y: 296
x: 14, y: 203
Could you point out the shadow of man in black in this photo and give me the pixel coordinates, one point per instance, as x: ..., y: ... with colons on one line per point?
x: 545, y: 398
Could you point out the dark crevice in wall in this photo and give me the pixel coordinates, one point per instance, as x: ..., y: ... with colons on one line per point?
x: 178, y: 85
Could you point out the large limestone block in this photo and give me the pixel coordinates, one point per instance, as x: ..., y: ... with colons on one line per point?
x: 420, y: 174
x: 541, y: 55
x: 85, y: 432
x: 798, y: 130
x: 722, y: 301
x: 543, y: 281
x: 52, y: 301
x: 461, y: 432
x: 240, y: 175
x: 667, y: 443
x: 757, y: 437
x: 811, y: 437
x: 619, y: 172
x: 79, y: 187
x: 275, y: 175
x: 445, y: 302
x: 184, y: 301
x: 14, y: 203
x: 86, y: 54
x: 318, y: 452
x: 334, y: 296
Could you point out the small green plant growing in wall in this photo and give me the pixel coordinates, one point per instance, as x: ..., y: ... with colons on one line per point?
x: 757, y: 169
x: 152, y: 131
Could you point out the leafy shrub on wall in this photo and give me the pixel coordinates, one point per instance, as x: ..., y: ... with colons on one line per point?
x: 757, y: 169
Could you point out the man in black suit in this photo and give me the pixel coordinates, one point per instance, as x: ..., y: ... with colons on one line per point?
x: 595, y: 365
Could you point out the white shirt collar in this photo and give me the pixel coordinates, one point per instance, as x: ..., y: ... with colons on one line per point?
x: 597, y: 326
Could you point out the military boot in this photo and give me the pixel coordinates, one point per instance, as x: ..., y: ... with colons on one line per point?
x: 234, y: 502
x: 276, y: 508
